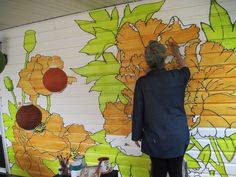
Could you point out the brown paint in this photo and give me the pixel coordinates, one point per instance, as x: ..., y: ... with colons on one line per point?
x: 28, y: 117
x: 55, y: 80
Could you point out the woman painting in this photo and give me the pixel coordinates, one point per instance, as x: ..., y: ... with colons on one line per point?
x: 159, y: 119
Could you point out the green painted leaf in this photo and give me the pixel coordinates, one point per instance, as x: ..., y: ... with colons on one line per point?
x: 127, y: 10
x: 192, y: 162
x: 190, y: 146
x: 99, y: 137
x: 221, y: 28
x: 136, y: 166
x: 9, y: 134
x: 110, y: 89
x: 29, y: 41
x: 7, y: 121
x: 115, y: 18
x: 11, y: 155
x: 227, y: 147
x: 101, y: 150
x: 142, y: 12
x: 233, y: 137
x: 96, y: 69
x: 212, y: 172
x: 104, y: 39
x: 16, y: 170
x: 104, y: 73
x: 12, y: 110
x: 101, y: 19
x: 52, y: 165
x: 205, y: 154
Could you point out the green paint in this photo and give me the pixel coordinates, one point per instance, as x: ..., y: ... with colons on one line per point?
x: 15, y: 169
x: 53, y: 165
x: 101, y: 150
x: 11, y: 155
x: 136, y: 166
x: 29, y: 45
x: 23, y: 96
x: 233, y: 138
x: 9, y: 134
x: 111, y: 90
x: 97, y: 69
x: 9, y: 121
x: 99, y: 137
x: 221, y: 29
x: 104, y: 73
x: 142, y: 12
x: 14, y: 98
x: 8, y: 83
x: 190, y: 146
x: 10, y: 87
x: 212, y: 172
x: 105, y: 26
x: 104, y: 39
x: 205, y: 154
x: 29, y: 41
x: 102, y: 20
x: 192, y: 162
x: 218, y: 166
x: 48, y: 103
x: 227, y: 147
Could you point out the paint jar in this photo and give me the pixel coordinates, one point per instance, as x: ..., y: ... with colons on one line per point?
x: 80, y: 160
x: 75, y: 168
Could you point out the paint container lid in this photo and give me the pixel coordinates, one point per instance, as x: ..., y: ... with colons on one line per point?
x: 75, y: 166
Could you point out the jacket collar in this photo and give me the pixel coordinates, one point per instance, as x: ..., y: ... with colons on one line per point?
x: 157, y: 71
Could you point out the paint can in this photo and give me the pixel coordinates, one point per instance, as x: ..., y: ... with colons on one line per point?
x: 104, y: 165
x: 75, y: 168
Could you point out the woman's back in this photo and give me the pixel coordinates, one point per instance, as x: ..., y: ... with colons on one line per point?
x: 164, y: 114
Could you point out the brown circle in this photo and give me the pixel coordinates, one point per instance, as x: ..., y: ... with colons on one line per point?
x: 55, y: 80
x: 28, y: 117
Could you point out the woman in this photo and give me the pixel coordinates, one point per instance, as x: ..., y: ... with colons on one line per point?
x: 159, y: 118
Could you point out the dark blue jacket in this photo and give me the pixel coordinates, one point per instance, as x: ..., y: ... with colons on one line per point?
x: 159, y: 118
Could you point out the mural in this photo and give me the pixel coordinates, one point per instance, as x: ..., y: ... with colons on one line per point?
x: 34, y: 153
x: 209, y: 101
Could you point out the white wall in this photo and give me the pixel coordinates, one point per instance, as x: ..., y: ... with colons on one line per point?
x: 77, y: 105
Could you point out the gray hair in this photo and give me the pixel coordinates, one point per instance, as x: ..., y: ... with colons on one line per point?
x: 155, y: 55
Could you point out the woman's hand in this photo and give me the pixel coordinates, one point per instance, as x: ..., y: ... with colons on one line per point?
x: 174, y: 48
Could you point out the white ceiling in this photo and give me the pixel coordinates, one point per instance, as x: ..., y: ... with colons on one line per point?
x: 20, y: 12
